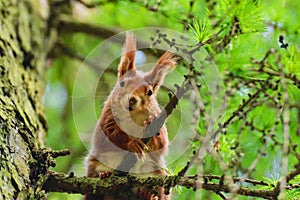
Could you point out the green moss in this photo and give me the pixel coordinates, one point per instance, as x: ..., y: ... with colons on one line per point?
x: 24, y: 27
x: 21, y: 66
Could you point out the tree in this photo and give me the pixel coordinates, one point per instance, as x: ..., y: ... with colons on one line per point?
x: 23, y: 123
x: 254, y: 140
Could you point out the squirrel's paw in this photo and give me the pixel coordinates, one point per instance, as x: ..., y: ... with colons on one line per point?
x: 149, y: 120
x: 138, y: 146
x: 145, y: 194
x: 105, y: 174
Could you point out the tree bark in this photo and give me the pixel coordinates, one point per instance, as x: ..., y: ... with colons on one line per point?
x: 22, y: 122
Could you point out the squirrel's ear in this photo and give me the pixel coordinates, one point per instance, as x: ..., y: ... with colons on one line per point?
x: 127, y: 60
x: 157, y: 75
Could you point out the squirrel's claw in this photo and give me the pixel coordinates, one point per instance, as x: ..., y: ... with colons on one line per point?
x: 104, y: 174
x: 149, y: 120
x: 138, y: 146
x: 145, y: 194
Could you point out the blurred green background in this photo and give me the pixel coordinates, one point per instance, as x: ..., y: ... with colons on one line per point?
x: 261, y: 22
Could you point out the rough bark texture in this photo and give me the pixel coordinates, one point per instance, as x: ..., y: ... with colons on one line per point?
x: 22, y: 122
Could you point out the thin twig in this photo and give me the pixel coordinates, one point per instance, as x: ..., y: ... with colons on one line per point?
x: 92, y: 4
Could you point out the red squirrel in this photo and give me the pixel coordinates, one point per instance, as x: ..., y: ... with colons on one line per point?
x: 128, y: 109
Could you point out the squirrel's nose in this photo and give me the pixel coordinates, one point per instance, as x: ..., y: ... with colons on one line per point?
x: 132, y: 101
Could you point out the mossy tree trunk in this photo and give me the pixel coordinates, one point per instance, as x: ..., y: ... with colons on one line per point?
x: 22, y: 123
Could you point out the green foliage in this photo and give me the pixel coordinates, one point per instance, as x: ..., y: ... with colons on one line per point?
x: 201, y: 30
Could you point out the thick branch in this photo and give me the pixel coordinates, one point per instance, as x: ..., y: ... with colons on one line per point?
x: 68, y: 24
x: 83, y: 185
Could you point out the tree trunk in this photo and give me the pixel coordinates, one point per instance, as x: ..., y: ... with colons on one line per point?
x: 22, y: 121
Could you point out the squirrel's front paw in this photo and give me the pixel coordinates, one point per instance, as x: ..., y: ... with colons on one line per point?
x: 104, y: 174
x: 145, y: 194
x: 137, y: 146
x: 149, y: 120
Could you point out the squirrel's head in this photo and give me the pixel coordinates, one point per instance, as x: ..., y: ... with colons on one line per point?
x: 136, y: 91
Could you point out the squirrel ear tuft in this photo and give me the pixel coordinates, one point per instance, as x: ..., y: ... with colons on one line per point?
x: 127, y: 60
x: 157, y: 75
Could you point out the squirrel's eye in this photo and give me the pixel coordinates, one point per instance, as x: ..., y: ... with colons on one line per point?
x: 149, y: 93
x: 122, y: 83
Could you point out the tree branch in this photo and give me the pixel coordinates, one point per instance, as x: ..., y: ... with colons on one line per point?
x: 61, y: 183
x: 93, y: 4
x: 69, y: 25
x: 61, y: 49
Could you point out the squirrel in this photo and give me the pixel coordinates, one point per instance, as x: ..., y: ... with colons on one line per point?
x: 128, y: 109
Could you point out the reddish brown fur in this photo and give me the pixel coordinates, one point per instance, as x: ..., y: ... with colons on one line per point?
x: 130, y: 105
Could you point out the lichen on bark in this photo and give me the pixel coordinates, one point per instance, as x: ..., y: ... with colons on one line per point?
x: 22, y: 122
